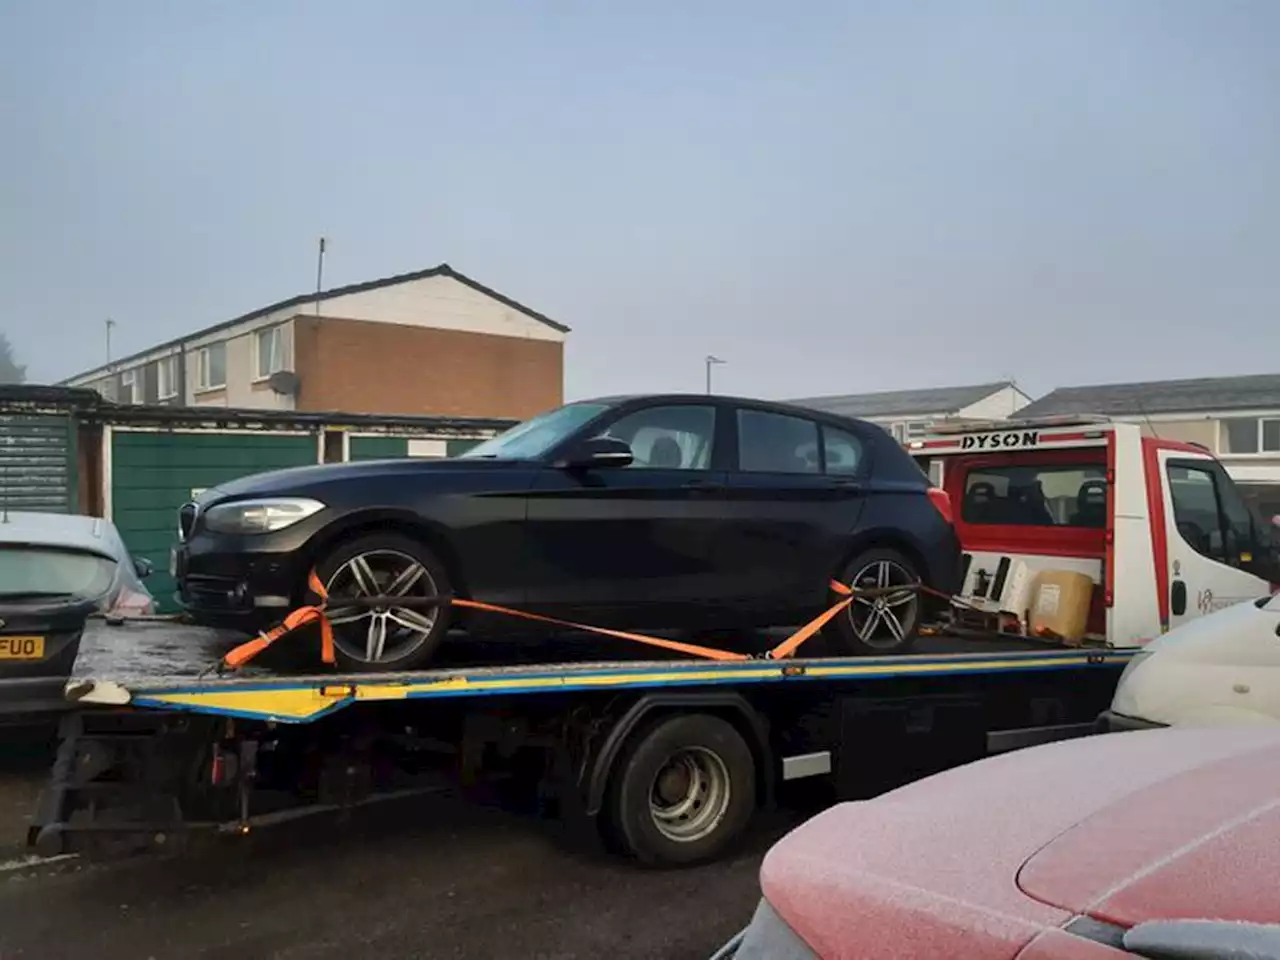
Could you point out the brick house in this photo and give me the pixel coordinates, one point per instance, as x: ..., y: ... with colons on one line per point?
x: 434, y: 342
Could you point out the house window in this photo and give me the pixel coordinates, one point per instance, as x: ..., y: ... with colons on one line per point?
x: 270, y: 349
x: 1239, y: 435
x: 212, y: 367
x: 128, y: 379
x: 167, y: 378
x: 917, y: 429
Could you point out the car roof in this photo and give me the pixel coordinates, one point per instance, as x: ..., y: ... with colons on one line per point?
x: 983, y: 859
x: 774, y: 405
x: 65, y: 530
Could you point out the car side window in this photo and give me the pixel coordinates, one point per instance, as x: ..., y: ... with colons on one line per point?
x: 677, y: 437
x: 843, y: 452
x: 776, y: 443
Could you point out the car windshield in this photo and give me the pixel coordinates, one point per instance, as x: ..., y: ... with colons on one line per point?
x: 47, y: 571
x: 533, y: 438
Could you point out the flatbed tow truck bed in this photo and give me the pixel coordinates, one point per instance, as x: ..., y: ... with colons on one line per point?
x: 663, y: 759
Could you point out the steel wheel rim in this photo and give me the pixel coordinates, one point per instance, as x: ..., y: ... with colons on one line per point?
x: 376, y: 634
x: 690, y: 795
x: 881, y: 621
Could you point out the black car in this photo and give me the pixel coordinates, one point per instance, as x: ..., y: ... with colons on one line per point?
x: 653, y: 512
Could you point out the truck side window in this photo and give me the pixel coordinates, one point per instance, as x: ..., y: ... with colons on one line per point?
x: 1197, y: 511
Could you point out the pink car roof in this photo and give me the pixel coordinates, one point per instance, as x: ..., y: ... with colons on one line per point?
x: 981, y: 861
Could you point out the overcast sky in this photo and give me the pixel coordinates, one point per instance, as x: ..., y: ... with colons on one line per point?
x: 833, y: 197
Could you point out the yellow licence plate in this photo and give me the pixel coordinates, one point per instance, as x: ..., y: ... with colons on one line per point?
x: 21, y: 648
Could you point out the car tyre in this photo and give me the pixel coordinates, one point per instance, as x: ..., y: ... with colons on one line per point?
x: 682, y: 792
x: 884, y: 625
x: 409, y: 636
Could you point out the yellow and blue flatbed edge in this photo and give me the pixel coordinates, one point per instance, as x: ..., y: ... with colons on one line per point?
x: 303, y: 699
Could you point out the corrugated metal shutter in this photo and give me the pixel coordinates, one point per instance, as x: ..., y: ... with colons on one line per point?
x: 37, y: 463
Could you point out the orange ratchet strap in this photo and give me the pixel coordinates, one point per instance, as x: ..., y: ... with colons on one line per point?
x: 316, y: 614
x: 300, y: 617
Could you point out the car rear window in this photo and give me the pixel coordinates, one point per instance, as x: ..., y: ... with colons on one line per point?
x: 44, y: 571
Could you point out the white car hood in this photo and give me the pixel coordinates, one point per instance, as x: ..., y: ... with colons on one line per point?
x: 1223, y: 668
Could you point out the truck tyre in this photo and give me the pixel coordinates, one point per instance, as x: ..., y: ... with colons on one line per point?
x: 884, y: 624
x: 683, y: 790
x: 392, y: 638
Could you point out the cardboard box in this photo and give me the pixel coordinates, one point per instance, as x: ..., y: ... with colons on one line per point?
x: 1060, y: 605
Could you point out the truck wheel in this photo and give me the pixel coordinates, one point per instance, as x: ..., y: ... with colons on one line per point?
x: 389, y: 638
x: 882, y: 624
x: 683, y: 791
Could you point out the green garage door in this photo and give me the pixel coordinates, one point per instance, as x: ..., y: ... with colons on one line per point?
x: 385, y: 448
x: 378, y: 448
x: 38, y: 463
x: 155, y: 473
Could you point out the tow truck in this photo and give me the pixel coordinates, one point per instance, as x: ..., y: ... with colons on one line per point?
x: 666, y: 760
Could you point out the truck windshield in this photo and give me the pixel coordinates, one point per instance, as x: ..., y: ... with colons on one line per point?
x: 533, y: 438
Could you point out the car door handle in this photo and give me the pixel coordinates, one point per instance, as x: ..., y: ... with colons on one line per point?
x: 848, y: 485
x: 705, y: 486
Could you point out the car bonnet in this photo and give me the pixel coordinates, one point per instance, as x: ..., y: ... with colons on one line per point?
x: 979, y: 861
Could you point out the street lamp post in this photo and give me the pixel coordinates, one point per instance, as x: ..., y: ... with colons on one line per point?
x: 711, y: 361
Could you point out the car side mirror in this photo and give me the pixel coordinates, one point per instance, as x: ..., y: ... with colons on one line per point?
x: 599, y: 452
x: 142, y: 567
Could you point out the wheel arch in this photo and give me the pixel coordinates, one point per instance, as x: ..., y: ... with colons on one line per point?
x: 887, y: 538
x: 601, y: 765
x: 403, y: 523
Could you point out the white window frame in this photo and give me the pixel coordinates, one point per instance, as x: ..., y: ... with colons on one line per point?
x: 204, y: 367
x: 167, y: 378
x: 279, y: 331
x: 129, y: 382
x: 1261, y: 420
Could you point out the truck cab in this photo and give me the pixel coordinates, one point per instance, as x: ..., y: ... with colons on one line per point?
x: 1157, y: 526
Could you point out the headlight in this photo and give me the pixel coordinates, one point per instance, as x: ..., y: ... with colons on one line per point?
x: 260, y: 516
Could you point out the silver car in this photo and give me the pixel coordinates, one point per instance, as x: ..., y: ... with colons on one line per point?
x: 57, y: 570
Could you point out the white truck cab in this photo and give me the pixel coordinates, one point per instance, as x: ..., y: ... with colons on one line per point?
x: 1157, y: 525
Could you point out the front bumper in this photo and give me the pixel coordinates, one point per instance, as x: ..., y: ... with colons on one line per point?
x: 1111, y: 722
x: 234, y: 582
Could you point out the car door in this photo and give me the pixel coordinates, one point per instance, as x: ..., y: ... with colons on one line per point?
x: 1213, y: 550
x: 632, y: 544
x: 795, y: 492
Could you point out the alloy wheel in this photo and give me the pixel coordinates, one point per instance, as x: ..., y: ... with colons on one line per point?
x: 882, y: 620
x: 376, y: 634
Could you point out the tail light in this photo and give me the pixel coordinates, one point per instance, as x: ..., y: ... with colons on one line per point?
x: 939, y: 498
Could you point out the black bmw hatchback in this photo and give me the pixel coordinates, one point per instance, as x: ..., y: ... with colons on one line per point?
x: 655, y: 512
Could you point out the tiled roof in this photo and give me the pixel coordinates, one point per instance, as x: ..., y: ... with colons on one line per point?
x: 1165, y: 396
x: 940, y: 400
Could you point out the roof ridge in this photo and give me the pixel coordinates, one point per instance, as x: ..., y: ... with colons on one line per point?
x: 442, y: 269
